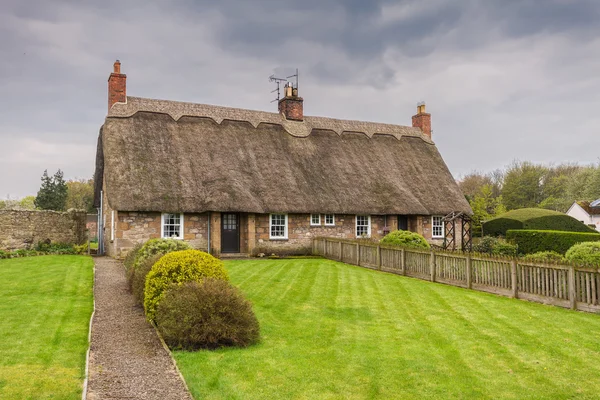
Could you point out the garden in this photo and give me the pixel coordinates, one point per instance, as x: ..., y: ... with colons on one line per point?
x: 45, y: 312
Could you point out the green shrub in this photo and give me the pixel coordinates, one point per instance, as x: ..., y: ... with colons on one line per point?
x: 131, y: 256
x: 159, y: 246
x: 545, y: 257
x: 405, y: 239
x: 587, y: 253
x: 209, y: 314
x: 179, y: 267
x: 534, y: 241
x: 533, y: 218
x: 496, y: 247
x: 138, y: 277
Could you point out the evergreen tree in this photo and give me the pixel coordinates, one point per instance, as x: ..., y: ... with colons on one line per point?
x: 53, y: 192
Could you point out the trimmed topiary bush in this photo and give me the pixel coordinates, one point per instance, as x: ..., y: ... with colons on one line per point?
x: 160, y: 246
x: 209, y: 314
x: 151, y: 248
x: 179, y: 267
x: 405, y: 239
x: 545, y: 257
x: 587, y: 253
x: 533, y: 218
x: 534, y: 241
x: 129, y: 260
x: 138, y: 277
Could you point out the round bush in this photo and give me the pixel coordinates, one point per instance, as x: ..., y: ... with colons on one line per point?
x: 159, y: 246
x: 138, y: 277
x: 545, y: 257
x: 209, y: 314
x: 131, y: 256
x: 179, y: 267
x: 587, y: 253
x: 405, y: 239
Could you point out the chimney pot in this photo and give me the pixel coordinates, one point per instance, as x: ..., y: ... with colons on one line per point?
x: 291, y: 106
x: 422, y: 120
x: 117, y: 86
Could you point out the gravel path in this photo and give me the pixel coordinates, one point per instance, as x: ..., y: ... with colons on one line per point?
x: 127, y: 360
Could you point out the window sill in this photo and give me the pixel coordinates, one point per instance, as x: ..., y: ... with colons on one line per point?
x: 279, y: 239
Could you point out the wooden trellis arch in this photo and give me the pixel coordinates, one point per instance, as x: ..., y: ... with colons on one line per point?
x: 450, y: 225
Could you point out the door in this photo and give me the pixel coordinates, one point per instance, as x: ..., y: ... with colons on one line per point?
x: 403, y: 222
x: 230, y: 233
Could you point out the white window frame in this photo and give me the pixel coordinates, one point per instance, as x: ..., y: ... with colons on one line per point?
x: 312, y: 223
x: 162, y: 226
x: 332, y: 220
x: 368, y: 225
x: 441, y: 219
x: 285, y: 227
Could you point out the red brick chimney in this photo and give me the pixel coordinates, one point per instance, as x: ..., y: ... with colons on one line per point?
x: 117, y: 86
x: 422, y: 120
x: 291, y: 106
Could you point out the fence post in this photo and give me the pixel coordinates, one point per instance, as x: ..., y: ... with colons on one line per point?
x: 403, y: 261
x: 358, y: 254
x: 379, y: 257
x: 341, y: 248
x: 572, y: 298
x: 469, y: 273
x: 513, y: 278
x: 432, y: 266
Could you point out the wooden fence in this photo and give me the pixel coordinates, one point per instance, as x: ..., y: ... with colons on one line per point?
x: 560, y: 285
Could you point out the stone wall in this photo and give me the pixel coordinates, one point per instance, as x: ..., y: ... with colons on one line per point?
x: 301, y: 232
x: 20, y: 229
x: 137, y: 227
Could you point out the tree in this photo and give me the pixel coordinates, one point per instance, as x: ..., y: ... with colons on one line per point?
x: 485, y: 206
x: 523, y: 185
x: 471, y: 184
x: 53, y: 192
x: 27, y: 203
x: 80, y: 194
x: 592, y: 189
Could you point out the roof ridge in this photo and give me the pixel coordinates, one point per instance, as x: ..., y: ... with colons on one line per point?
x: 178, y: 109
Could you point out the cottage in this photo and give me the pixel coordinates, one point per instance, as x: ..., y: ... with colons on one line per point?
x: 586, y: 212
x: 229, y: 180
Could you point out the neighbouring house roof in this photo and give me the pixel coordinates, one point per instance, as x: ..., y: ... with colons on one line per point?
x: 588, y: 208
x: 156, y: 155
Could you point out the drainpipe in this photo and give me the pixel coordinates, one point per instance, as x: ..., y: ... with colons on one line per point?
x: 208, y: 233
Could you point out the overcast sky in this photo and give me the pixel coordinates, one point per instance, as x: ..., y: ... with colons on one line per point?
x: 503, y: 80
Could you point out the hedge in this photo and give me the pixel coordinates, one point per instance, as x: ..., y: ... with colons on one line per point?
x: 533, y: 241
x: 533, y: 219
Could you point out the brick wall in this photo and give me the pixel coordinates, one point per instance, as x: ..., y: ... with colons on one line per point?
x: 20, y: 229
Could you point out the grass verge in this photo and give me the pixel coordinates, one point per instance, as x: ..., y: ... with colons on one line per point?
x: 45, y: 309
x: 331, y: 330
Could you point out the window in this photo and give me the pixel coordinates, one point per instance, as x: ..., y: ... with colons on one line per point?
x: 363, y: 226
x: 278, y: 226
x: 437, y: 226
x: 172, y: 226
x: 315, y: 219
x: 329, y: 220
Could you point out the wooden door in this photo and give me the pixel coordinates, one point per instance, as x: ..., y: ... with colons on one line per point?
x: 230, y: 233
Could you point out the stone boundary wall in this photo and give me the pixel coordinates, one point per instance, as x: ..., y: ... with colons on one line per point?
x: 23, y: 229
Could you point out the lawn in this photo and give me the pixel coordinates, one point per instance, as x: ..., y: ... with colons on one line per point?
x: 331, y: 331
x: 45, y: 307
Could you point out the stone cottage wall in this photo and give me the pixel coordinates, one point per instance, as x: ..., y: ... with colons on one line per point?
x: 301, y: 232
x: 22, y: 229
x: 137, y: 227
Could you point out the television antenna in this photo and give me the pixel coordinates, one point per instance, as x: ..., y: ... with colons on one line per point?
x: 279, y: 81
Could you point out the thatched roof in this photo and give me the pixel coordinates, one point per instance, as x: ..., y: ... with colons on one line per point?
x: 169, y: 156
